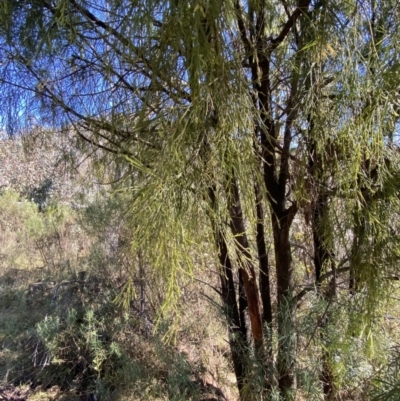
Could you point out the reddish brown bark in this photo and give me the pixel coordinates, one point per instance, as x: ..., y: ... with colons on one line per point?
x: 247, y: 271
x: 236, y: 325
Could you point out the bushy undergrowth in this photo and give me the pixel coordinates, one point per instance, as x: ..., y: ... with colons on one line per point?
x: 91, y: 346
x: 60, y: 325
x: 80, y: 312
x: 387, y: 385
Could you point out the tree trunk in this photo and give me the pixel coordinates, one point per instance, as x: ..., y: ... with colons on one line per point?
x: 263, y: 262
x: 322, y: 256
x: 265, y: 290
x: 247, y: 270
x: 242, y: 304
x: 286, y: 305
x: 236, y: 325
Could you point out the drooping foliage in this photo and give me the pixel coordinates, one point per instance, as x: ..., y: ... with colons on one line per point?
x: 229, y: 122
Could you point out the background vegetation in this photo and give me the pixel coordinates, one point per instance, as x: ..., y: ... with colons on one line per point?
x: 64, y: 331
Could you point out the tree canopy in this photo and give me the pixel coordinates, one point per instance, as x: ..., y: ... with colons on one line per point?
x: 229, y: 122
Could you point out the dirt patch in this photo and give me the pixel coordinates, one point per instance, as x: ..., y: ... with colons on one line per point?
x: 13, y: 394
x: 27, y: 393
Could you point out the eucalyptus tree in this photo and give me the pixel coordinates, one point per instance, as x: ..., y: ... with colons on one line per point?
x: 234, y: 118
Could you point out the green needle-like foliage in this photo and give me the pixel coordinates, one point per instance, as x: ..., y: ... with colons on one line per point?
x: 228, y: 122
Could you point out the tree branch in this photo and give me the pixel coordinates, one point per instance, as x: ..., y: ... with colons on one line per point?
x: 301, y: 8
x: 306, y: 290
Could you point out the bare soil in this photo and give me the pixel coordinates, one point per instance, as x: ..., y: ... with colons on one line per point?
x: 10, y: 393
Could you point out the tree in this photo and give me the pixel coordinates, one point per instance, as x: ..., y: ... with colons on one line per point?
x: 236, y: 119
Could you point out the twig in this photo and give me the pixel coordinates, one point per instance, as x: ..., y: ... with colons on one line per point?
x: 306, y: 290
x: 211, y: 301
x: 319, y: 322
x: 209, y: 285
